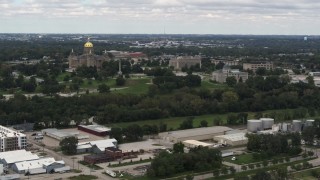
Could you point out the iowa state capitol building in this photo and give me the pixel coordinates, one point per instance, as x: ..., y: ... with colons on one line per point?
x: 88, y: 58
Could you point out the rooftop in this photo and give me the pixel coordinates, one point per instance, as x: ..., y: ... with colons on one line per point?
x: 234, y: 137
x: 197, y: 143
x: 39, y: 163
x: 96, y: 128
x: 101, y: 144
x: 7, y: 132
x: 17, y: 156
x: 60, y: 133
x: 198, y: 131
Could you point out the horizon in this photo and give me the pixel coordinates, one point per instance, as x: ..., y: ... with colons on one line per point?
x: 243, y: 17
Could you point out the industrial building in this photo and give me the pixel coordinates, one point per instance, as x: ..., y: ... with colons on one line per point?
x: 255, y: 125
x: 222, y: 75
x: 195, y: 143
x: 185, y: 61
x: 95, y: 129
x: 296, y: 125
x: 11, y: 157
x: 110, y: 154
x: 60, y: 135
x: 22, y: 161
x: 96, y: 147
x: 194, y: 134
x: 39, y: 166
x: 11, y: 140
x: 232, y: 139
x: 254, y: 66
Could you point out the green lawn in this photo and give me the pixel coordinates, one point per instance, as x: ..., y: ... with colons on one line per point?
x: 306, y: 175
x: 83, y: 177
x: 210, y: 85
x: 62, y: 75
x: 130, y: 163
x: 174, y: 122
x: 135, y: 86
x: 242, y: 159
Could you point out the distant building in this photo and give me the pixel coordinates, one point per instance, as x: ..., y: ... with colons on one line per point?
x: 39, y: 166
x: 184, y: 61
x: 221, y: 75
x: 96, y: 147
x: 255, y: 66
x: 11, y: 140
x: 95, y: 129
x: 225, y: 62
x: 236, y: 139
x: 88, y: 58
x: 199, y: 134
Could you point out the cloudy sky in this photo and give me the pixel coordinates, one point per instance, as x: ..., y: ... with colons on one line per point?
x: 156, y: 16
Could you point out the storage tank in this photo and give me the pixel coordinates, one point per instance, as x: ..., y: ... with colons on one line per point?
x: 254, y: 125
x: 309, y: 122
x: 267, y: 123
x: 296, y: 125
x: 284, y: 127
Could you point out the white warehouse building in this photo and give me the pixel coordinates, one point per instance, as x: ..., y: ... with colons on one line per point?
x: 232, y: 139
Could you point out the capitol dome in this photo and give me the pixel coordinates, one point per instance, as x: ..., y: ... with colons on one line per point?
x: 88, y: 45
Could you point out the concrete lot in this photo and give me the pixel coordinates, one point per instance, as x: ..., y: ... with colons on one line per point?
x: 147, y: 145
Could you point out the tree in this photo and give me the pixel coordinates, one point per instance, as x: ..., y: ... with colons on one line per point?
x: 117, y: 134
x: 216, y: 173
x: 69, y: 145
x: 189, y: 177
x: 310, y: 80
x: 231, y: 81
x: 203, y: 123
x: 224, y: 170
x: 187, y: 124
x: 243, y: 168
x: 262, y: 175
x: 217, y: 121
x: 120, y: 81
x: 241, y: 177
x: 133, y: 132
x: 103, y: 88
x: 232, y: 170
x: 261, y: 71
x: 265, y: 163
x: 308, y: 134
x: 178, y: 148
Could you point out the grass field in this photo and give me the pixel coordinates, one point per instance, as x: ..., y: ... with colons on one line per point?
x: 242, y: 159
x: 83, y: 177
x: 306, y: 175
x: 174, y: 122
x: 136, y: 86
x: 210, y: 85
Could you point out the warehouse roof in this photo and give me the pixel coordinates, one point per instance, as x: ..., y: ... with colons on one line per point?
x: 96, y: 128
x: 60, y: 133
x: 35, y: 164
x: 234, y: 137
x: 198, y: 131
x: 17, y: 156
x: 197, y: 143
x: 101, y: 144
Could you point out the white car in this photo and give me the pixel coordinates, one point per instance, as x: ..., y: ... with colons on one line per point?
x: 233, y: 158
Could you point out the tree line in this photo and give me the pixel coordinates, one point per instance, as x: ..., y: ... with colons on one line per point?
x: 199, y: 159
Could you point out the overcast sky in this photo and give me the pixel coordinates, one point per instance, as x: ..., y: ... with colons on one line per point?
x: 299, y: 17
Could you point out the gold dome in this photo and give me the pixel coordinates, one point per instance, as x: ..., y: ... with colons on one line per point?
x: 88, y: 45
